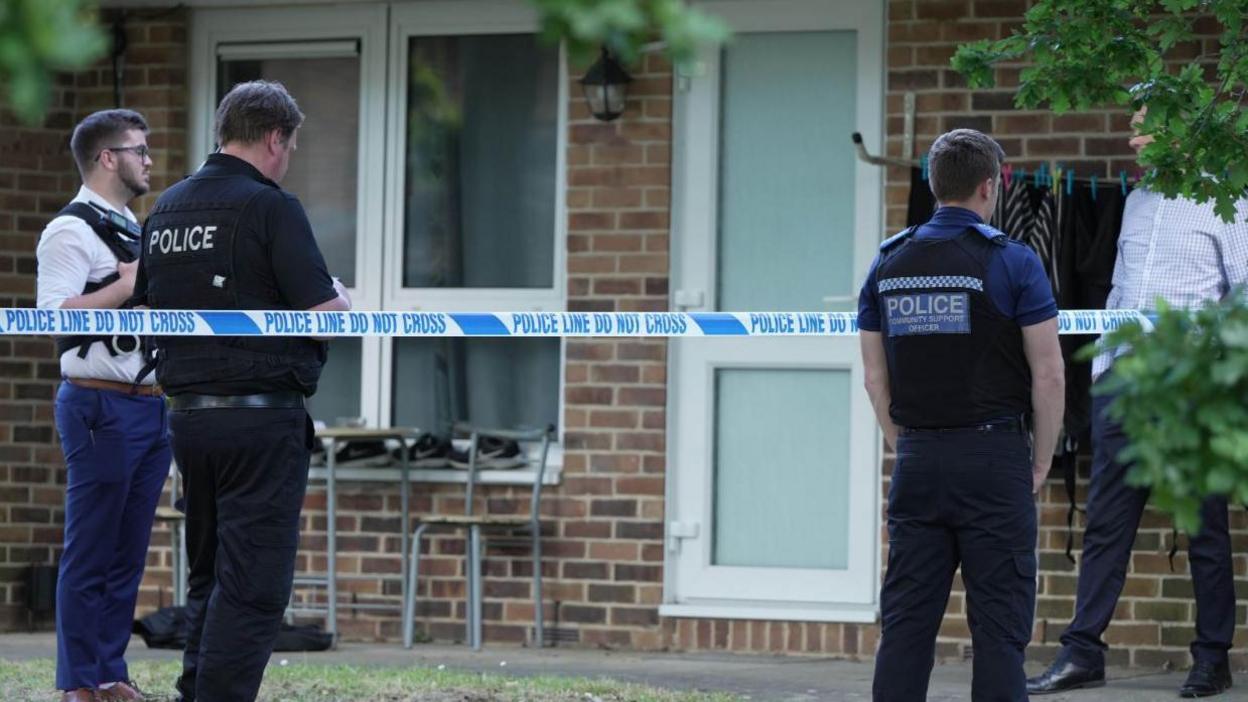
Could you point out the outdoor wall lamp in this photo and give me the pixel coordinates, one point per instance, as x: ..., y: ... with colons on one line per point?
x: 606, y: 87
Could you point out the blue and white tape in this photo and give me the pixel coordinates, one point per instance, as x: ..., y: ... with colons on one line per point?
x: 33, y: 322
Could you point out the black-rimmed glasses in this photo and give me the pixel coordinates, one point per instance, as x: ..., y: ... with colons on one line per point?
x: 139, y: 150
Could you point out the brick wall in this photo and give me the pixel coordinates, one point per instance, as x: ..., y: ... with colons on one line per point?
x: 37, y: 178
x: 1154, y: 620
x: 603, y: 550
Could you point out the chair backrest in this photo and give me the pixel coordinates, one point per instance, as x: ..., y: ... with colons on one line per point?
x: 520, y: 436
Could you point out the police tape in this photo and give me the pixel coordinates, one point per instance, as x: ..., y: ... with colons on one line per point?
x: 35, y: 322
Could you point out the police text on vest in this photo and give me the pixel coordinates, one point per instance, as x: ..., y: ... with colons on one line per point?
x: 180, y: 239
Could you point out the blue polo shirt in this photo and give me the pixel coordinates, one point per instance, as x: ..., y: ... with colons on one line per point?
x: 1015, y: 280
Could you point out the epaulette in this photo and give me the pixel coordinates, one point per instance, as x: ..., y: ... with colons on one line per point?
x: 897, y: 238
x: 992, y: 234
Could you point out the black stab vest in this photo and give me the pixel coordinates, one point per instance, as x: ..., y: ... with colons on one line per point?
x: 189, y: 258
x: 953, y: 358
x: 121, y: 237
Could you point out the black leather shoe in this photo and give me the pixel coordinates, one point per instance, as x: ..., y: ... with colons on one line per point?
x: 1206, y: 679
x: 1065, y: 675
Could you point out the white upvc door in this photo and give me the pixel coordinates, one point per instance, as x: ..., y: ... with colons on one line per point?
x: 774, y: 454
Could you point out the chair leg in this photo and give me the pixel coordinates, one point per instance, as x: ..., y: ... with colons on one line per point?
x: 475, y: 538
x: 409, y: 591
x: 537, y: 586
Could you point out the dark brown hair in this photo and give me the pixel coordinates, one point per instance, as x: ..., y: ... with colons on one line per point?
x: 251, y: 110
x: 100, y: 130
x: 959, y: 161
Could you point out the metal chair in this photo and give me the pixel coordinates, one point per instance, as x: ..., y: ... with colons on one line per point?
x: 529, y: 525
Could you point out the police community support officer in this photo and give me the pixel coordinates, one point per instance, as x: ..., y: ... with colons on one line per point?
x: 959, y: 339
x: 228, y: 237
x: 114, y: 432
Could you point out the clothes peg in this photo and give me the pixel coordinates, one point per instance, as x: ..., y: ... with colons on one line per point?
x: 1122, y: 179
x: 923, y: 166
x: 1070, y: 181
x: 1093, y: 187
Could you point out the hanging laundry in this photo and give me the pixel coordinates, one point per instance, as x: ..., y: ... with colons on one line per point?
x: 1017, y: 214
x: 922, y: 203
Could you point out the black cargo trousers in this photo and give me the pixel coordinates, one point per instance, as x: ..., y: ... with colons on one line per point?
x: 245, y: 472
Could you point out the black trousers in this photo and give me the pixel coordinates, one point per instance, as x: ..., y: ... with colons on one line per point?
x: 958, y: 498
x: 245, y: 472
x: 1114, y: 511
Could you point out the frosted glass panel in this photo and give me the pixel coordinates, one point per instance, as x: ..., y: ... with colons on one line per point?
x: 323, y: 169
x: 786, y: 170
x: 781, y: 468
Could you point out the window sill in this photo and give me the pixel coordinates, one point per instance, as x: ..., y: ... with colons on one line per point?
x: 774, y: 611
x: 553, y: 475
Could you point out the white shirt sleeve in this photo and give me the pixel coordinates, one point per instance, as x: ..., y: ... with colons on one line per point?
x: 65, y: 259
x: 1234, y: 245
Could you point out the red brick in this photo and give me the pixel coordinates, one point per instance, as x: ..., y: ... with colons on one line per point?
x: 617, y: 243
x: 613, y: 419
x: 615, y: 463
x: 617, y: 197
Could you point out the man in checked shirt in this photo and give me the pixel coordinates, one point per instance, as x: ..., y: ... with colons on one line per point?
x: 1184, y: 253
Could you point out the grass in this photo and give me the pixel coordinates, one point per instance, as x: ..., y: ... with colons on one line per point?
x: 32, y: 681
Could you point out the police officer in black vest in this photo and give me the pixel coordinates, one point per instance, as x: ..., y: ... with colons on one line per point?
x: 959, y: 339
x: 228, y: 237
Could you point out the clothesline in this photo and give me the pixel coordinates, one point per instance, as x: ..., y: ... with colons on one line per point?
x: 1045, y: 175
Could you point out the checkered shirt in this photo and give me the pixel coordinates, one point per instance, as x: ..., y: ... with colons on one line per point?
x: 1177, y: 250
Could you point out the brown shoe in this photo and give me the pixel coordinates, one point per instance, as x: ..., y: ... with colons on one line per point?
x: 82, y: 694
x: 120, y: 692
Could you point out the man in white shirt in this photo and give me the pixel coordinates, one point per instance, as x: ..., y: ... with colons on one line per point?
x: 113, y: 428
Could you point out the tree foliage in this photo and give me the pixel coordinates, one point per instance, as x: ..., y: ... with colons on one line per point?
x: 1090, y: 53
x: 39, y: 38
x: 625, y: 26
x: 1181, y: 397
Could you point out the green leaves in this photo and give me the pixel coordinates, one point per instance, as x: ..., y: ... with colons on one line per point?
x: 1081, y: 54
x: 38, y: 38
x: 625, y: 26
x: 1181, y: 394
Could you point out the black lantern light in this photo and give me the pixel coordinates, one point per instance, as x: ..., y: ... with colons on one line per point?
x: 606, y: 87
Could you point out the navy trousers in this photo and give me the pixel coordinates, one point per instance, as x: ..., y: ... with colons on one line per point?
x: 246, y: 472
x: 1114, y: 511
x: 117, y: 453
x: 958, y: 498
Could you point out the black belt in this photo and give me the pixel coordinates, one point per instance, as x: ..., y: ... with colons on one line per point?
x: 266, y: 400
x: 1014, y: 426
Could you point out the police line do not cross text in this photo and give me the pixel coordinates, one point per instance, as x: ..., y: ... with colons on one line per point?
x: 36, y: 322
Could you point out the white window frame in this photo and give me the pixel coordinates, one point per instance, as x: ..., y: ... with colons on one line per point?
x: 448, y: 18
x: 308, y: 33
x: 382, y: 31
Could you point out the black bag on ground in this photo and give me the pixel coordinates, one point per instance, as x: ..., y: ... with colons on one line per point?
x: 166, y: 628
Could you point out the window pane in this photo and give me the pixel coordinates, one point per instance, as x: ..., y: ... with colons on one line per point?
x: 482, y: 133
x: 323, y: 170
x: 338, y: 394
x: 499, y: 383
x: 782, y: 468
x: 786, y: 170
